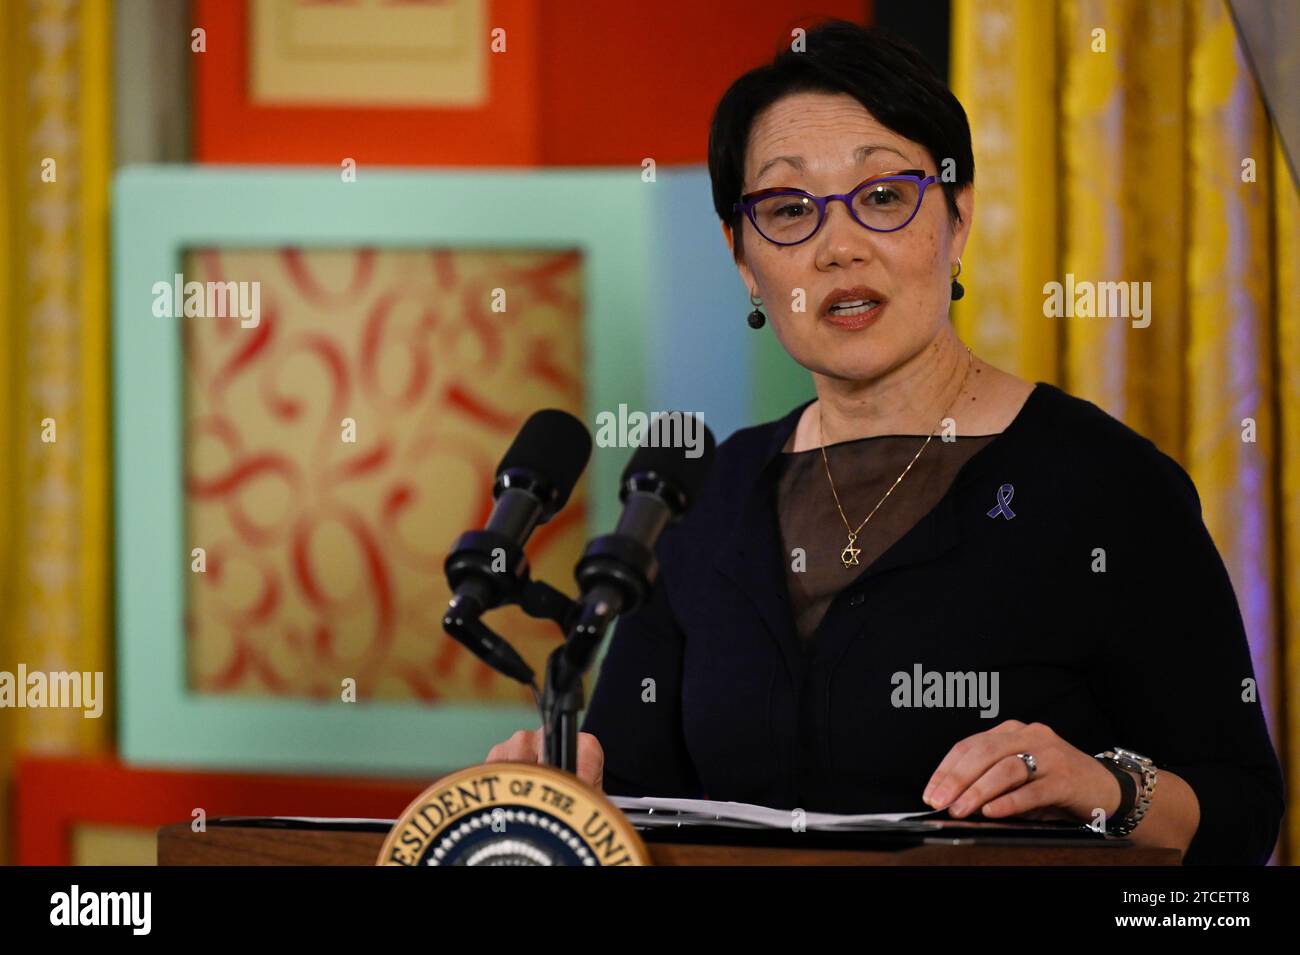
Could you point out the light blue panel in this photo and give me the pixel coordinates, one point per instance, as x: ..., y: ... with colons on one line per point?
x: 707, y: 358
x: 698, y: 303
x: 158, y: 213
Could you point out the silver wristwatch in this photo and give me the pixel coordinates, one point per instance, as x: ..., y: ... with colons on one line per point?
x: 1136, y: 763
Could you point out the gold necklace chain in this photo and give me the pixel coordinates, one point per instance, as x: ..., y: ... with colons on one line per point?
x: 849, y: 556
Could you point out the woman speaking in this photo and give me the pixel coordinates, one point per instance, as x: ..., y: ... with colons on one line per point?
x: 936, y: 585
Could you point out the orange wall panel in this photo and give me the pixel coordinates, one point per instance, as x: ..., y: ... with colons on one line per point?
x: 581, y: 84
x: 230, y: 127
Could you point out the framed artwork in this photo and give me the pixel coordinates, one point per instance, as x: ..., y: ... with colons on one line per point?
x: 333, y: 450
x: 297, y: 446
x: 429, y: 53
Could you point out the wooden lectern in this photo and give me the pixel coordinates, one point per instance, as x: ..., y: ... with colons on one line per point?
x: 232, y: 844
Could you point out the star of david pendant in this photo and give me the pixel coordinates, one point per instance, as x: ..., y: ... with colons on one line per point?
x: 849, y: 555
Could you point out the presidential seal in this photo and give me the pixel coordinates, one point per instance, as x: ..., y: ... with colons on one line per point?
x: 512, y: 814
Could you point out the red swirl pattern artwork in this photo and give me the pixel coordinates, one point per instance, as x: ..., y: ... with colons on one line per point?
x: 323, y: 555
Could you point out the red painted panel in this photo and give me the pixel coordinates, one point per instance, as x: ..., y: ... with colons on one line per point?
x: 626, y: 81
x: 54, y: 794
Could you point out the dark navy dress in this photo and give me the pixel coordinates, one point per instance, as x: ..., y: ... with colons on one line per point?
x: 1066, y: 555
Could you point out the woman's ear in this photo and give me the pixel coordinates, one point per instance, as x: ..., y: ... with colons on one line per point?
x: 746, y: 276
x: 961, y: 230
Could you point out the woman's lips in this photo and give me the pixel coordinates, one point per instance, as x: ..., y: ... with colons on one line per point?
x: 853, y: 319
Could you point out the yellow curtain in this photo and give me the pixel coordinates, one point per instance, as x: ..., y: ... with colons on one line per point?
x: 1125, y: 141
x: 54, y: 165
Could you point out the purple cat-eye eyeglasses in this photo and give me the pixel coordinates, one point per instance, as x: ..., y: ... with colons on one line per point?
x: 882, y: 203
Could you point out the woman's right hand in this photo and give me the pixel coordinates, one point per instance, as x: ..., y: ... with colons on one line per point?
x: 527, y: 746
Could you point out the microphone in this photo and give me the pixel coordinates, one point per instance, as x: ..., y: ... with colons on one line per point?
x: 659, y: 485
x: 487, y: 568
x: 616, y: 571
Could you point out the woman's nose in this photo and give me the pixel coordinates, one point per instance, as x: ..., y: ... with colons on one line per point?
x: 841, y: 239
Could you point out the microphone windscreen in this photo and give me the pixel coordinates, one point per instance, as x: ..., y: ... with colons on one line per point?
x: 553, y: 444
x: 671, y: 440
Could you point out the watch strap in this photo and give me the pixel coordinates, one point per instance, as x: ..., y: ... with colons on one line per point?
x: 1127, y: 788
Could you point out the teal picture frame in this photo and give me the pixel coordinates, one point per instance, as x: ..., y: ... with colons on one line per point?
x: 649, y: 250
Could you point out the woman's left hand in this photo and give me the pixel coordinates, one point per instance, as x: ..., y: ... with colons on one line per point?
x: 983, y: 772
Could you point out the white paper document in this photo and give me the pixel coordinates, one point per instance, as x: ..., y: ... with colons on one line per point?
x: 670, y: 811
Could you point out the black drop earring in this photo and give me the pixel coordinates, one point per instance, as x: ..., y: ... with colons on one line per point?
x: 756, y: 318
x: 958, y: 290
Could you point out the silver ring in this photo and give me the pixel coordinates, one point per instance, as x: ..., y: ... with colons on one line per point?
x: 1028, y: 759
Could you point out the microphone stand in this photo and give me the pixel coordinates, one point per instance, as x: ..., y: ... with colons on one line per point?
x: 614, y: 573
x: 562, y: 696
x: 561, y: 699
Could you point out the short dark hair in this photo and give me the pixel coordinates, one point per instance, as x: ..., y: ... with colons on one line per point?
x: 883, y: 73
